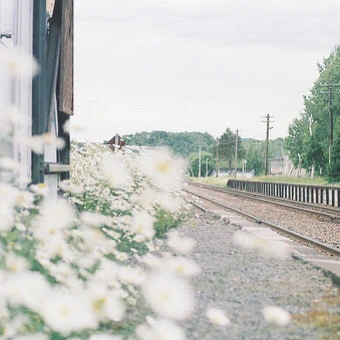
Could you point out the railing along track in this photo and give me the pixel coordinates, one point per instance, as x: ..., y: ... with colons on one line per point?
x: 299, y: 206
x: 290, y: 234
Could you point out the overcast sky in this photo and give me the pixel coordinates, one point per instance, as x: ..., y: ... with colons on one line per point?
x: 197, y: 65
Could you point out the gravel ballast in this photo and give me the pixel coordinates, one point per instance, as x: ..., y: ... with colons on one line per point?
x: 324, y: 230
x: 242, y: 282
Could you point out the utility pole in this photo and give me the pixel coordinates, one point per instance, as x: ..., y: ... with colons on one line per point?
x: 206, y: 167
x: 199, y: 159
x: 217, y: 169
x: 331, y: 119
x: 236, y: 145
x: 268, y: 121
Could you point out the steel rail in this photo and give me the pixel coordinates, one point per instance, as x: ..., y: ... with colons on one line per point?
x: 197, y: 206
x: 292, y: 235
x: 273, y: 200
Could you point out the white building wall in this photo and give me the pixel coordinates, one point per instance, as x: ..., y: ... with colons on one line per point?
x: 16, y: 17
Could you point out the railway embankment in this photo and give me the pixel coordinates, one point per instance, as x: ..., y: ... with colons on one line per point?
x: 243, y: 281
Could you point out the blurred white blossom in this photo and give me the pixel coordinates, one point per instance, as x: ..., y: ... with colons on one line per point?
x: 65, y: 312
x: 18, y: 62
x: 142, y: 224
x: 169, y: 296
x: 276, y: 315
x: 105, y: 303
x: 16, y: 263
x: 162, y: 167
x: 68, y: 186
x: 182, y: 266
x: 180, y: 244
x: 40, y: 189
x: 250, y: 241
x: 217, y: 316
x: 160, y: 329
x: 115, y: 172
x: 7, y: 163
x: 103, y: 336
x: 67, y: 126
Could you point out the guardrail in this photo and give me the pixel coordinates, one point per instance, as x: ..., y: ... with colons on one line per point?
x: 327, y: 195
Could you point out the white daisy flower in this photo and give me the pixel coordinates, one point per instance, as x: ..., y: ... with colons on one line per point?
x: 67, y: 126
x: 182, y: 266
x: 160, y: 329
x: 276, y: 315
x: 9, y: 164
x: 92, y: 219
x: 103, y: 336
x: 56, y: 214
x: 40, y: 189
x: 16, y: 263
x: 25, y: 200
x: 116, y: 172
x: 169, y: 296
x: 66, y: 313
x: 250, y: 241
x: 36, y: 336
x: 180, y: 244
x: 217, y: 316
x: 162, y: 167
x: 17, y: 63
x: 142, y: 224
x: 68, y: 186
x: 131, y: 275
x: 26, y: 288
x: 105, y: 303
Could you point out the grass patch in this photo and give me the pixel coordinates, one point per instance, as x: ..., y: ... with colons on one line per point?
x: 325, y: 316
x: 293, y: 180
x: 218, y: 181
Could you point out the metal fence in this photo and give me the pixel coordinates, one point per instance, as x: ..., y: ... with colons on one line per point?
x: 327, y: 195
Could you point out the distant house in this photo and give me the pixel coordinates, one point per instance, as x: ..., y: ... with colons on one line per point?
x: 222, y: 172
x: 45, y: 103
x: 116, y: 142
x: 280, y: 166
x: 227, y: 173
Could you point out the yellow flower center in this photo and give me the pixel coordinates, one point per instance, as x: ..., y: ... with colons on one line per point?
x: 99, y: 304
x: 64, y: 311
x: 164, y: 297
x: 180, y: 268
x: 164, y: 166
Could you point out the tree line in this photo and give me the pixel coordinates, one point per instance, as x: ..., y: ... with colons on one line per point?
x: 188, y: 145
x: 314, y: 137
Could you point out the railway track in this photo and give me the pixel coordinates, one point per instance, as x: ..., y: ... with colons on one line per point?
x: 318, y: 209
x: 312, y: 226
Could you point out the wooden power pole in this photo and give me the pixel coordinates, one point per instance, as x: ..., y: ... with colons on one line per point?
x: 331, y: 119
x: 268, y: 121
x: 236, y: 146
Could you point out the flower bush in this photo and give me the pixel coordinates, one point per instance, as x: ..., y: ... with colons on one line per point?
x: 82, y: 265
x: 88, y: 264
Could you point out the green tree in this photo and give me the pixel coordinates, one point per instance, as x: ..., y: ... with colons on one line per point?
x: 183, y: 143
x: 296, y: 140
x: 309, y: 135
x: 255, y: 151
x: 207, y: 163
x: 227, y: 146
x: 334, y: 166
